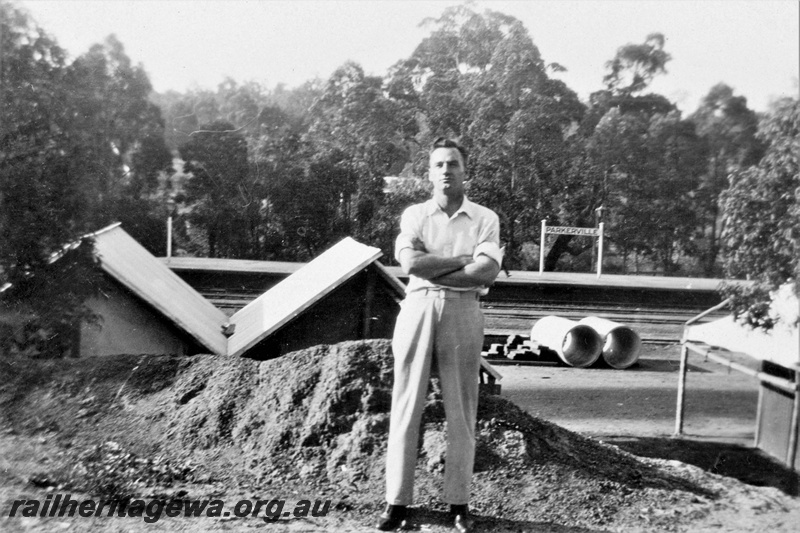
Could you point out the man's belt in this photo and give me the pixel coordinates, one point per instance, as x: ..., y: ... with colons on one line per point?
x: 440, y: 292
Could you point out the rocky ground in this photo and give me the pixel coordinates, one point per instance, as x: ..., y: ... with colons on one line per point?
x: 312, y: 425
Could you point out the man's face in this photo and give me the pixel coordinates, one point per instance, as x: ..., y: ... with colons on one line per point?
x: 446, y: 171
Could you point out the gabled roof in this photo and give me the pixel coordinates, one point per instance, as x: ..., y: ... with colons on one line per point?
x: 296, y: 293
x: 398, y: 290
x: 139, y: 271
x: 231, y: 266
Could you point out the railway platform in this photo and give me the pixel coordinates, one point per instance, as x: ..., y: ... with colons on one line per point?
x: 656, y: 306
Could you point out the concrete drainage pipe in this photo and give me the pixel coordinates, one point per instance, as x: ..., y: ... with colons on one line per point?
x: 621, y: 344
x: 576, y: 344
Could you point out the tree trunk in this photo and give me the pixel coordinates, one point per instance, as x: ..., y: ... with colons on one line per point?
x: 212, y: 242
x: 713, y: 245
x: 558, y: 249
x: 511, y: 252
x: 710, y: 257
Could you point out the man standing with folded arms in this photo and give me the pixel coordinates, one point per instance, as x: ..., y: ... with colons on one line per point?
x: 450, y: 248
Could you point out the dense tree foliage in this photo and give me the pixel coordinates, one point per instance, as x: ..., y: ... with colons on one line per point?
x: 480, y: 77
x: 762, y: 215
x: 359, y: 137
x: 37, y: 196
x: 280, y: 174
x: 221, y: 196
x: 635, y: 65
x: 727, y: 128
x: 638, y: 163
x: 80, y: 146
x: 79, y: 141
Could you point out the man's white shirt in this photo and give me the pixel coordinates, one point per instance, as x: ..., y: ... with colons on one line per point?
x: 472, y: 230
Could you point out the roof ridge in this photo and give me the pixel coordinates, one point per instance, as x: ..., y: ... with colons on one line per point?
x: 102, y: 230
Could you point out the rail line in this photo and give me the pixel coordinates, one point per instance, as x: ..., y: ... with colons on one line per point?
x: 653, y: 328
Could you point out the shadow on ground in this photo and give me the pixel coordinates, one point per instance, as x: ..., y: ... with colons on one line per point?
x: 422, y: 519
x: 657, y: 365
x: 747, y: 464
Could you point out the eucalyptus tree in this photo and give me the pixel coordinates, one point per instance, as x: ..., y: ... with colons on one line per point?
x: 220, y: 193
x: 761, y: 212
x: 728, y: 128
x: 80, y: 144
x: 184, y: 112
x: 641, y: 162
x: 118, y: 148
x: 359, y: 135
x: 77, y: 139
x: 520, y: 136
x: 38, y: 197
x: 643, y: 170
x: 479, y: 77
x: 439, y: 78
x: 636, y: 64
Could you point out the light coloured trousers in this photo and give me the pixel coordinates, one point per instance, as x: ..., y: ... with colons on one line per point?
x: 448, y: 325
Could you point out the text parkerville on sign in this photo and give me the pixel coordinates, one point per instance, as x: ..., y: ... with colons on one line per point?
x: 566, y: 230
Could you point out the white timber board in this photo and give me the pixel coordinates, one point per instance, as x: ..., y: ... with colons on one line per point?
x: 128, y: 262
x: 778, y: 345
x: 296, y: 293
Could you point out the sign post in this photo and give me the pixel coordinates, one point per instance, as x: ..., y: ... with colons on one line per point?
x: 578, y: 232
x: 541, y: 247
x: 600, y: 251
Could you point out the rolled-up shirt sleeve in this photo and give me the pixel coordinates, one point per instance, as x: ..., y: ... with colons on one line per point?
x: 489, y: 241
x: 408, y: 232
x: 490, y: 250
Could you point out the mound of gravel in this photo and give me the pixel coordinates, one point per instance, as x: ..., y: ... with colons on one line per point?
x: 321, y: 412
x: 321, y: 416
x: 315, y: 422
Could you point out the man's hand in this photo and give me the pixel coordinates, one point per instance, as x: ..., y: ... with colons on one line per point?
x: 418, y: 245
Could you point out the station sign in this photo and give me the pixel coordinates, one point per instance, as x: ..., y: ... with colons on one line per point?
x: 567, y: 230
x: 578, y: 232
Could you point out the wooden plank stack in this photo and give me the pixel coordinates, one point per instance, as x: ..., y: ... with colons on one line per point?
x: 517, y: 348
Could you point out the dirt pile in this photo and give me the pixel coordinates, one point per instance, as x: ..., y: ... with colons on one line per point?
x: 315, y: 422
x: 321, y: 413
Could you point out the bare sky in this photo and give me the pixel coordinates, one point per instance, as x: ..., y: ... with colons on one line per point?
x: 752, y: 45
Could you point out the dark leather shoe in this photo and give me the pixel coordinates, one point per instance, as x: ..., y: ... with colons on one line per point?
x: 461, y: 520
x: 391, y: 517
x: 463, y: 523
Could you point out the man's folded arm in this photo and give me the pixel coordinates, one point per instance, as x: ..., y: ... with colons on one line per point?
x: 481, y: 272
x: 429, y: 266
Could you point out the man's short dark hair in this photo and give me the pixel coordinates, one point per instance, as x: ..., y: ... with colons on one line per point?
x: 444, y: 142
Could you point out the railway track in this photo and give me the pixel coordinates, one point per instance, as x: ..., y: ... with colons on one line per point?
x: 655, y: 325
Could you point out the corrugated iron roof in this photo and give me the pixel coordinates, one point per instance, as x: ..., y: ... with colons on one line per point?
x: 296, y: 293
x: 133, y: 266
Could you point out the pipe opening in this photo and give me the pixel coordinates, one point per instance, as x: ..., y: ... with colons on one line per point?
x: 582, y: 346
x: 622, y: 347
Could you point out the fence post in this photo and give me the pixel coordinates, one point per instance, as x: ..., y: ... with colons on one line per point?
x: 681, y: 390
